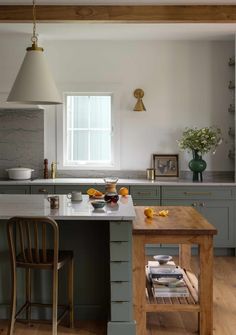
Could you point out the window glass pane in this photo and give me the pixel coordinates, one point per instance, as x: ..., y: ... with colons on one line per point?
x: 80, y: 111
x: 69, y: 111
x: 80, y: 145
x: 100, y: 146
x: 100, y: 107
x: 69, y: 145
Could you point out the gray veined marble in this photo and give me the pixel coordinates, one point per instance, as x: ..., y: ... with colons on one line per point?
x: 21, y: 139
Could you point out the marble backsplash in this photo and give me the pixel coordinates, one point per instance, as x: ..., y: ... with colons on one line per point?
x: 21, y: 140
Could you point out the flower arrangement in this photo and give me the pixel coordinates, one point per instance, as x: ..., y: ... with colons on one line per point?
x: 202, y: 140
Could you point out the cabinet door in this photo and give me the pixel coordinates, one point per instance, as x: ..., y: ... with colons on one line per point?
x: 182, y: 202
x: 15, y: 189
x: 221, y: 214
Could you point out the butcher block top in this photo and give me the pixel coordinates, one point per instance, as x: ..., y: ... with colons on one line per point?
x: 181, y: 220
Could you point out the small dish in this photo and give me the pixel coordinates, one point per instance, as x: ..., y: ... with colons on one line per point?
x: 162, y: 259
x: 98, y: 204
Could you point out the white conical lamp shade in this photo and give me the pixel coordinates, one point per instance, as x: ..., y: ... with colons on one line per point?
x: 34, y: 83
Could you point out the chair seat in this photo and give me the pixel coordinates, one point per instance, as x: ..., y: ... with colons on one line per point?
x: 38, y: 261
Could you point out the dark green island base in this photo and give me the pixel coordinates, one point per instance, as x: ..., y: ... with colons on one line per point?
x: 102, y: 279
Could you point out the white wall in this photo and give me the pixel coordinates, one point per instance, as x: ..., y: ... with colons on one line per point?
x: 185, y: 84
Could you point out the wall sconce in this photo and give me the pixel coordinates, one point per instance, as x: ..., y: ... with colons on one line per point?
x: 139, y: 94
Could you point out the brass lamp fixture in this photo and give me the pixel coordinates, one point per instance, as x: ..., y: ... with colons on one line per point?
x: 34, y: 83
x: 139, y: 106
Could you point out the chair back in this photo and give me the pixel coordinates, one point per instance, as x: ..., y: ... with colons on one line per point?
x: 29, y: 238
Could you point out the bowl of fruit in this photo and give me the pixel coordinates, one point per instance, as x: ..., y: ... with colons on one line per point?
x: 95, y: 194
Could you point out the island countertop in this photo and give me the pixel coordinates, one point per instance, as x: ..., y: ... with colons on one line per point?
x: 38, y: 205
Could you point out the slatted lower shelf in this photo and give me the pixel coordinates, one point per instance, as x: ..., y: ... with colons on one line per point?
x: 183, y: 304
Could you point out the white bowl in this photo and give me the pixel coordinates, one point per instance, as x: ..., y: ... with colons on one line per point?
x: 162, y: 259
x: 19, y: 173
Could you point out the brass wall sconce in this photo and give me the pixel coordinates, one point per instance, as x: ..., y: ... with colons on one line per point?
x: 139, y: 94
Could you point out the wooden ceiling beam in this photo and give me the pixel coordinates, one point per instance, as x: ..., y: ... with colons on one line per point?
x: 121, y: 14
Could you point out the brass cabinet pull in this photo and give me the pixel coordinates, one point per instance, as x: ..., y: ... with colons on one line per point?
x: 197, y: 193
x: 43, y: 190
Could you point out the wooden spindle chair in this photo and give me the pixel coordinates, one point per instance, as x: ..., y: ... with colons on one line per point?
x: 28, y: 238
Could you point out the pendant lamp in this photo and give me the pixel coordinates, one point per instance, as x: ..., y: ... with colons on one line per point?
x: 34, y: 83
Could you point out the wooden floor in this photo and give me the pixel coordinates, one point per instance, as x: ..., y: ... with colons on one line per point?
x: 168, y: 323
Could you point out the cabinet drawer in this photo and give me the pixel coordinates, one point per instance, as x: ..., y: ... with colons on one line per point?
x: 42, y: 189
x: 197, y: 192
x: 120, y: 271
x: 121, y: 291
x: 120, y: 231
x: 15, y: 189
x: 60, y: 189
x: 121, y: 311
x: 120, y: 251
x: 139, y: 202
x: 145, y: 192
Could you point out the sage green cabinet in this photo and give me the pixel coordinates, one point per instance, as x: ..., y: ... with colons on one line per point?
x: 216, y: 204
x: 145, y: 195
x: 14, y: 189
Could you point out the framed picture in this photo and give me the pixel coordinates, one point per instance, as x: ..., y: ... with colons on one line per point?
x: 166, y: 165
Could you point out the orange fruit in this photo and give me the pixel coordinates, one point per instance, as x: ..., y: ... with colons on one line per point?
x: 91, y: 192
x: 123, y: 191
x: 149, y: 212
x: 98, y: 193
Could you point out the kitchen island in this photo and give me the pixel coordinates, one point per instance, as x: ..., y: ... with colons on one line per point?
x: 101, y: 241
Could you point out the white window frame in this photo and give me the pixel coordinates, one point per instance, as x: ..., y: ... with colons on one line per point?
x: 62, y: 132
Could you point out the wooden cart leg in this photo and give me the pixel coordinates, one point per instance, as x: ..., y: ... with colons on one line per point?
x: 206, y: 286
x: 139, y: 283
x: 185, y: 256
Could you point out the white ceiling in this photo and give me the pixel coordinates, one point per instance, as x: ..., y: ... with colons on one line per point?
x: 95, y: 31
x: 118, y: 2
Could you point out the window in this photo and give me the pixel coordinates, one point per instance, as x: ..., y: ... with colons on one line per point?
x: 88, y: 138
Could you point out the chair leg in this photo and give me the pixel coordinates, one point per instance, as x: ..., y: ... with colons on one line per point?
x: 28, y: 294
x: 54, y: 301
x: 13, y: 304
x: 70, y: 283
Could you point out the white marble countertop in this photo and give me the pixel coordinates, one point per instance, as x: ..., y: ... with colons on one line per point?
x: 100, y: 181
x: 38, y: 205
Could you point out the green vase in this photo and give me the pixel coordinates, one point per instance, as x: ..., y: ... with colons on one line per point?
x: 197, y: 165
